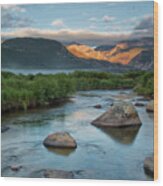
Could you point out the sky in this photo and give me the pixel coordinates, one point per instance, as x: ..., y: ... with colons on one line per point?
x: 87, y: 23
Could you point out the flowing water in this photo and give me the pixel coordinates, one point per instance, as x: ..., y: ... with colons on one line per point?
x: 100, y: 154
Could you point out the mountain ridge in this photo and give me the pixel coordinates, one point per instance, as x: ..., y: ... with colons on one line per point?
x: 40, y: 53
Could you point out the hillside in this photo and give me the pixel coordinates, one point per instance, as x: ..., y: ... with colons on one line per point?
x: 123, y: 52
x: 30, y: 53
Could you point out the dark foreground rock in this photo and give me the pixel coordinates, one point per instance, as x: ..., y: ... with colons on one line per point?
x: 139, y: 104
x: 4, y: 128
x: 150, y: 106
x: 15, y: 167
x: 60, y: 140
x: 121, y: 114
x: 98, y: 106
x: 149, y: 166
x: 58, y: 174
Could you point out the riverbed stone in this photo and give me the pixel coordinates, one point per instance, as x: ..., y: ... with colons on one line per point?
x: 150, y: 106
x: 98, y: 106
x: 60, y: 140
x: 58, y: 174
x: 15, y: 167
x: 138, y: 104
x: 149, y: 166
x: 121, y: 114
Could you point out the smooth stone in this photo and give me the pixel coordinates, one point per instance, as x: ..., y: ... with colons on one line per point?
x: 121, y: 114
x: 58, y: 174
x: 150, y: 106
x: 149, y: 166
x: 4, y: 128
x: 60, y: 140
x: 98, y: 106
x: 16, y: 167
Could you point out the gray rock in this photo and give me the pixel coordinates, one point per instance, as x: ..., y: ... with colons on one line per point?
x: 60, y: 140
x: 15, y: 167
x: 149, y: 166
x: 58, y: 174
x: 138, y: 104
x: 150, y: 106
x: 98, y: 106
x: 121, y: 114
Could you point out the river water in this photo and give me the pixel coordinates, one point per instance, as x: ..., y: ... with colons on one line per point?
x: 100, y: 154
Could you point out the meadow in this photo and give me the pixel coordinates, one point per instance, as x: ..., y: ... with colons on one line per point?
x: 23, y: 92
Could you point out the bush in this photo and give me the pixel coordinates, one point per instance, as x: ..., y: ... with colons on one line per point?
x: 27, y: 91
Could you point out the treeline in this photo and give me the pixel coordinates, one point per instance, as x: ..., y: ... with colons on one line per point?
x: 21, y: 92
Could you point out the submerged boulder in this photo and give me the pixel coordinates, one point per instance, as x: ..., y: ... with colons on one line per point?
x: 58, y: 174
x: 60, y: 140
x: 98, y: 106
x: 15, y: 167
x: 121, y: 114
x: 150, y: 106
x: 149, y: 166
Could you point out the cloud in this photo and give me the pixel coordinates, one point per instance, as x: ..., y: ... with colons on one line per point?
x: 68, y: 35
x: 146, y: 23
x: 11, y: 17
x: 107, y: 19
x: 58, y: 23
x: 145, y: 27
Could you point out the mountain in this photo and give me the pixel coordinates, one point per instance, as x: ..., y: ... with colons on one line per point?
x: 130, y: 52
x: 39, y: 53
x: 144, y: 61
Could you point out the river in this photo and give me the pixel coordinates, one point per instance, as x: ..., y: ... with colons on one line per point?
x: 100, y: 154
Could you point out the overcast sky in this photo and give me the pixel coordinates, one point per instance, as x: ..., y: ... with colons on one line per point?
x: 90, y: 23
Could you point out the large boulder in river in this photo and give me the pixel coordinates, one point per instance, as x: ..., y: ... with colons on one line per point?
x: 60, y: 140
x: 121, y: 114
x: 150, y: 106
x: 149, y: 166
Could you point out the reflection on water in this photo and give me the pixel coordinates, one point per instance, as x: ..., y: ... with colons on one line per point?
x: 125, y: 135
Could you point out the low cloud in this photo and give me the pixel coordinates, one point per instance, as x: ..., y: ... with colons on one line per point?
x: 68, y: 35
x: 11, y: 17
x: 58, y: 23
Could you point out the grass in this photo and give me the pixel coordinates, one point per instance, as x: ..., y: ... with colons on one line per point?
x: 22, y: 92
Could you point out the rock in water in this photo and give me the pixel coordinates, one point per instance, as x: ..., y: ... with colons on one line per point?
x: 58, y: 174
x: 150, y: 106
x: 121, y: 114
x: 149, y: 166
x: 15, y: 167
x: 98, y: 106
x: 60, y: 140
x: 137, y: 104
